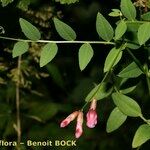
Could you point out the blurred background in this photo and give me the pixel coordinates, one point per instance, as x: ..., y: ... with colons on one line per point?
x: 51, y: 93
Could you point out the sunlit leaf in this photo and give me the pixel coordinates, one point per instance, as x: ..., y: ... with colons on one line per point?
x: 85, y: 55
x: 131, y: 71
x: 20, y: 48
x: 144, y: 33
x: 115, y: 120
x: 128, y: 9
x: 49, y: 51
x: 126, y: 105
x: 112, y: 59
x: 120, y: 30
x: 65, y: 31
x: 127, y: 90
x: 104, y: 29
x: 141, y: 136
x: 30, y: 31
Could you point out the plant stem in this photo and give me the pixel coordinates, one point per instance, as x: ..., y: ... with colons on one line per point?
x: 136, y: 61
x: 148, y: 83
x: 145, y: 120
x: 106, y: 75
x: 18, y: 104
x: 61, y: 42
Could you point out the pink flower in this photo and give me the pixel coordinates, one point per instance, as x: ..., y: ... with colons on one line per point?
x: 79, y: 129
x: 92, y: 115
x: 70, y: 118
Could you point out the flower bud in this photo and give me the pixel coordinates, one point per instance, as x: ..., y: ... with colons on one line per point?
x: 79, y: 129
x: 92, y: 115
x: 70, y: 118
x: 91, y: 118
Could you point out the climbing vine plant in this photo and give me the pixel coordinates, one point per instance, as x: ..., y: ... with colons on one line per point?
x: 129, y: 19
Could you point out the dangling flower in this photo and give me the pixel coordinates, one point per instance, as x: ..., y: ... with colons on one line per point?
x: 79, y: 129
x: 70, y: 118
x: 92, y: 115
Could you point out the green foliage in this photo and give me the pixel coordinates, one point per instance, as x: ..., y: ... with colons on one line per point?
x: 131, y: 71
x: 68, y: 1
x: 65, y: 31
x: 141, y: 136
x: 103, y: 28
x: 115, y: 13
x: 112, y: 59
x: 126, y: 105
x: 115, y: 120
x: 85, y: 55
x: 146, y: 16
x: 23, y: 4
x: 29, y: 30
x: 19, y: 49
x: 48, y: 53
x: 46, y: 93
x: 101, y: 91
x: 144, y: 33
x: 6, y: 2
x: 128, y: 90
x: 120, y: 30
x: 128, y: 9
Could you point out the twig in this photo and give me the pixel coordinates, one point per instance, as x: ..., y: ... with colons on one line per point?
x: 61, y: 42
x: 18, y: 104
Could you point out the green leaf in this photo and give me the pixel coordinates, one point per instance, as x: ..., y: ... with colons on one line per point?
x: 141, y: 136
x: 128, y: 9
x: 23, y: 4
x: 65, y: 31
x: 127, y: 90
x: 68, y: 1
x: 131, y: 71
x: 101, y: 91
x: 115, y: 120
x: 104, y: 29
x: 120, y: 30
x: 126, y: 105
x: 144, y: 33
x: 48, y: 53
x: 85, y: 55
x: 29, y: 30
x: 6, y: 2
x: 114, y: 14
x: 112, y: 59
x: 133, y: 46
x: 19, y: 49
x: 146, y: 16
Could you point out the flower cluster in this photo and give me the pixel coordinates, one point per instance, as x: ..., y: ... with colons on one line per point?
x: 91, y: 119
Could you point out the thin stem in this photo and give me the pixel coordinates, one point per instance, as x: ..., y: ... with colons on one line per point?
x: 61, y: 42
x: 18, y: 104
x: 138, y: 148
x: 144, y: 119
x: 106, y: 75
x: 136, y: 61
x: 147, y: 78
x: 148, y: 83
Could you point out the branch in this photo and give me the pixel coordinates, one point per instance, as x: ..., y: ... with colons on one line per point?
x: 61, y: 42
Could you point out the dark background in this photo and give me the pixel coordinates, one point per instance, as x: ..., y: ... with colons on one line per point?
x: 51, y: 93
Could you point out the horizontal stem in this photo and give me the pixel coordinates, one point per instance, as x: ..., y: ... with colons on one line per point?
x: 61, y: 42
